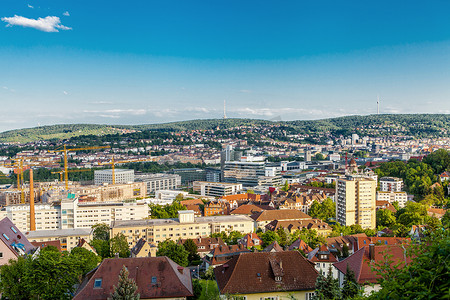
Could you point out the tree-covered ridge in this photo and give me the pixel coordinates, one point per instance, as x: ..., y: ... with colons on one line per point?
x: 415, y: 125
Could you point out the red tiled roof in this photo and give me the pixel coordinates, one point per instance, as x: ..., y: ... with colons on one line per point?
x: 300, y: 244
x: 360, y: 261
x: 172, y: 280
x: 191, y: 202
x: 41, y: 245
x: 281, y: 215
x: 246, y: 209
x: 255, y: 272
x: 274, y: 247
x: 249, y: 240
x: 293, y: 225
x: 366, y: 241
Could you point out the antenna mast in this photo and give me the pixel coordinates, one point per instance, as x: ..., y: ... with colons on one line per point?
x: 378, y: 105
x: 224, y: 109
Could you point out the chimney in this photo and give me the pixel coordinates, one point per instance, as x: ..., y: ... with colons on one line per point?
x: 180, y: 269
x: 32, y: 215
x: 371, y: 251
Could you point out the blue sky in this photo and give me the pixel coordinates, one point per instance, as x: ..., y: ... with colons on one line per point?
x: 136, y: 62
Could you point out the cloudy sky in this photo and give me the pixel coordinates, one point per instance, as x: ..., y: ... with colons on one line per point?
x: 136, y: 62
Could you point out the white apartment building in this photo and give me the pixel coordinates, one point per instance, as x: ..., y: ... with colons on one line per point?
x: 68, y: 238
x: 160, y: 181
x: 169, y: 194
x: 73, y: 214
x: 391, y: 184
x: 185, y: 226
x: 391, y: 197
x: 120, y: 175
x: 216, y: 189
x: 356, y: 201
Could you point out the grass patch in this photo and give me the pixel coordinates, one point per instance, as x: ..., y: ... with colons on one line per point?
x: 210, y: 291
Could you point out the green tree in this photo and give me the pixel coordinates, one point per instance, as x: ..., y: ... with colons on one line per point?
x: 439, y: 160
x: 412, y: 214
x: 102, y: 248
x: 126, y: 288
x: 324, y: 210
x: 385, y: 217
x: 425, y: 277
x: 88, y: 260
x: 175, y: 252
x: 100, y: 232
x: 233, y: 237
x: 327, y: 287
x: 52, y: 275
x: 119, y: 245
x: 285, y: 186
x: 283, y: 237
x: 191, y: 248
x: 269, y: 237
x: 13, y: 284
x: 351, y: 287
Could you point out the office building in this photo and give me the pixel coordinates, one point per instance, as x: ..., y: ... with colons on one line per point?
x: 355, y: 201
x: 189, y: 175
x: 213, y: 175
x: 216, y: 189
x: 120, y: 175
x: 160, y: 181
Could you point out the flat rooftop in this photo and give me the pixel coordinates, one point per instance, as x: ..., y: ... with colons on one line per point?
x: 57, y: 233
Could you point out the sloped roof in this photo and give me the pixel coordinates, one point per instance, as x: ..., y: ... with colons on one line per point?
x: 13, y: 238
x: 274, y: 247
x: 360, y: 261
x: 246, y: 209
x: 300, y: 244
x: 282, y: 214
x: 172, y: 280
x: 365, y: 241
x: 248, y: 240
x: 191, y: 202
x: 298, y: 225
x: 255, y: 272
x: 41, y: 245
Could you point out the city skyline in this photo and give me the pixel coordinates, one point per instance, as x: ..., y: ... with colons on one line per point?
x: 117, y: 63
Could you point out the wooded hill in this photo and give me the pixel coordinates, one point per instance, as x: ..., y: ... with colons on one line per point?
x: 416, y: 125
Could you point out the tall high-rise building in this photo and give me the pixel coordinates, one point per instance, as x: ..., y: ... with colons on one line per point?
x: 355, y: 201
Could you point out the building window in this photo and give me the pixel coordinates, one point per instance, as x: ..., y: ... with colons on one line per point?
x: 6, y: 237
x: 98, y: 283
x: 309, y: 295
x: 1, y: 254
x: 153, y: 279
x: 13, y: 229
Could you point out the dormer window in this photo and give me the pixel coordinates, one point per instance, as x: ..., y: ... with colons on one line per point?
x: 98, y: 283
x: 278, y: 278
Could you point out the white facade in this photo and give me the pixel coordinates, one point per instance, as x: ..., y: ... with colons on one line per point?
x: 156, y: 182
x: 121, y: 176
x: 216, y: 189
x: 391, y: 184
x: 72, y: 214
x: 391, y: 197
x: 169, y: 194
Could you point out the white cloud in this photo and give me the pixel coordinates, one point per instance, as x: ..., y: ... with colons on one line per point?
x: 65, y: 93
x: 66, y: 13
x: 245, y: 91
x: 30, y: 6
x: 47, y: 24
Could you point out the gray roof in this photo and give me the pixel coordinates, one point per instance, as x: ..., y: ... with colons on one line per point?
x: 57, y: 233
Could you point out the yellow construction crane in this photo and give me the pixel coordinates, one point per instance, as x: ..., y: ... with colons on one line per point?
x: 70, y: 171
x: 66, y: 178
x: 113, y: 163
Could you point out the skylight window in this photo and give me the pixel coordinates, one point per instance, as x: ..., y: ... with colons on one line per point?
x: 13, y: 229
x: 154, y: 279
x: 6, y: 237
x: 98, y: 283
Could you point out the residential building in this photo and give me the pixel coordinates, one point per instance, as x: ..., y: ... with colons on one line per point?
x: 274, y: 247
x: 355, y: 201
x: 265, y: 217
x: 391, y: 184
x: 143, y: 249
x: 246, y: 209
x: 69, y: 238
x: 251, y: 240
x: 216, y: 189
x: 221, y: 254
x: 205, y: 245
x: 155, y: 277
x: 339, y: 244
x: 300, y: 244
x: 169, y: 194
x: 120, y: 176
x: 391, y: 197
x: 267, y: 275
x: 72, y: 213
x: 321, y: 227
x: 13, y: 243
x: 185, y: 226
x: 323, y: 260
x: 445, y: 176
x: 159, y: 181
x: 360, y: 263
x: 213, y: 208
